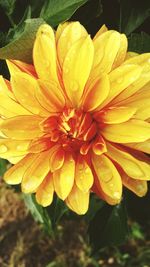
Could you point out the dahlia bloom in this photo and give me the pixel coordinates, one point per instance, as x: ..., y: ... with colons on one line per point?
x: 77, y: 120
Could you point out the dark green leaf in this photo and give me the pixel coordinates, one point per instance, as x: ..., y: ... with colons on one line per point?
x: 56, y: 210
x: 38, y: 212
x: 133, y: 14
x: 109, y: 226
x: 8, y: 6
x: 21, y: 47
x: 55, y: 12
x: 95, y: 205
x: 3, y: 166
x: 139, y: 43
x: 14, y: 33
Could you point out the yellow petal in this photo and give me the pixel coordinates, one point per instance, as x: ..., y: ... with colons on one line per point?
x: 64, y: 178
x: 97, y: 94
x: 36, y: 173
x: 60, y: 29
x: 57, y: 159
x: 83, y: 175
x: 19, y: 66
x: 115, y: 115
x: 13, y: 148
x: 70, y: 33
x: 126, y: 132
x: 77, y: 61
x: 144, y: 146
x: 4, y: 89
x: 122, y: 77
x: 133, y: 167
x: 15, y: 174
x: 21, y: 127
x: 15, y: 160
x: 143, y: 61
x: 24, y: 87
x: 121, y: 52
x: 45, y: 192
x: 140, y: 100
x: 8, y: 106
x: 78, y: 201
x: 101, y: 30
x: 44, y: 53
x: 108, y: 177
x: 50, y: 96
x: 136, y: 186
x: 106, y: 47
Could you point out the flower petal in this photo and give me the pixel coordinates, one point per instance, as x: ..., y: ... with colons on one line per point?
x: 19, y: 66
x: 45, y: 192
x: 97, y: 94
x: 133, y: 167
x: 122, y: 51
x: 44, y: 53
x: 115, y: 115
x: 13, y: 148
x: 100, y: 31
x: 78, y: 201
x: 21, y: 127
x: 64, y: 178
x: 36, y: 173
x: 138, y: 187
x: 49, y: 96
x: 8, y: 106
x: 71, y: 33
x: 121, y: 78
x: 24, y: 87
x: 5, y: 88
x: 144, y: 146
x: 143, y: 61
x: 127, y: 132
x: 108, y: 176
x: 78, y: 60
x: 15, y: 174
x: 83, y: 175
x: 106, y: 47
x: 57, y: 159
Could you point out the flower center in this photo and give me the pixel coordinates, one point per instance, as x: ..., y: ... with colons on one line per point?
x: 74, y: 129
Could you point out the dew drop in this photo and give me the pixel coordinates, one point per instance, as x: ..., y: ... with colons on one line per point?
x: 116, y: 195
x: 66, y: 70
x: 74, y: 86
x: 120, y: 80
x: 3, y: 148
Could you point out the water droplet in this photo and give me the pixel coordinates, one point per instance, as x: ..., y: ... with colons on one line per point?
x: 148, y: 61
x: 74, y: 86
x: 116, y: 195
x: 19, y: 148
x: 66, y: 70
x: 120, y: 80
x: 111, y: 185
x: 3, y: 148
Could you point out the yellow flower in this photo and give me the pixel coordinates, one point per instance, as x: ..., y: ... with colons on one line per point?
x: 77, y: 121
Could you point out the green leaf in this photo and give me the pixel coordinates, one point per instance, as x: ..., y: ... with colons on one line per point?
x: 95, y: 205
x: 38, y: 212
x: 21, y: 47
x: 8, y: 6
x: 109, y: 226
x: 55, y: 12
x: 3, y: 166
x: 139, y: 42
x: 133, y: 14
x: 56, y: 210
